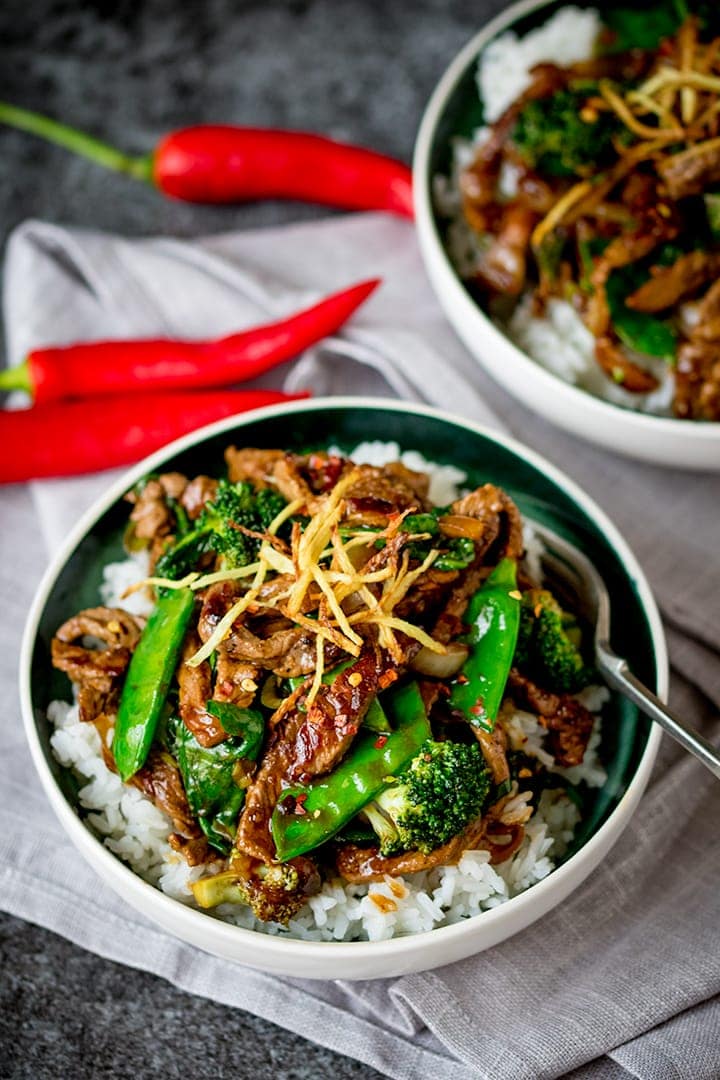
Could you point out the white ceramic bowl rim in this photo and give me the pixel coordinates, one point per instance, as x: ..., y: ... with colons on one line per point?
x: 215, y: 933
x: 695, y: 431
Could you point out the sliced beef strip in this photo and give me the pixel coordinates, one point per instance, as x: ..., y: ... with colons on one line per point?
x: 253, y: 835
x: 151, y: 515
x: 568, y: 722
x: 502, y: 267
x: 304, y: 744
x: 253, y: 465
x: 493, y: 746
x: 96, y: 671
x: 160, y: 780
x: 492, y: 506
x: 287, y: 653
x: 194, y: 692
x: 375, y: 495
x: 670, y: 284
x: 692, y: 171
x: 357, y: 864
x: 235, y: 680
x: 200, y: 490
x: 334, y: 717
x: 618, y: 367
x: 623, y: 250
x: 114, y: 626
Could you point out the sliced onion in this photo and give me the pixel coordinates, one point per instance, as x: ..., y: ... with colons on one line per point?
x: 462, y: 525
x: 441, y: 665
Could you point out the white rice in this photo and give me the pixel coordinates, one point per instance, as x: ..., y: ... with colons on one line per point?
x: 504, y: 68
x: 137, y: 832
x: 560, y: 341
x: 563, y: 344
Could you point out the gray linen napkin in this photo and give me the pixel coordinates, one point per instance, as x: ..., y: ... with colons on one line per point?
x: 621, y: 981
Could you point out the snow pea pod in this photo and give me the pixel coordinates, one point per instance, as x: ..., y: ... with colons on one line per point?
x: 320, y: 809
x: 148, y: 679
x: 493, y: 620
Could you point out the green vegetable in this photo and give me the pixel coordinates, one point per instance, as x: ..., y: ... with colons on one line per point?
x: 552, y: 137
x: 234, y: 504
x: 226, y: 888
x: 306, y: 817
x: 712, y: 210
x: 548, y: 647
x: 549, y: 254
x: 455, y: 554
x: 441, y: 792
x: 643, y: 26
x: 146, y: 685
x: 211, y: 773
x: 493, y: 618
x: 357, y: 832
x: 639, y: 331
x: 647, y: 22
x: 587, y: 252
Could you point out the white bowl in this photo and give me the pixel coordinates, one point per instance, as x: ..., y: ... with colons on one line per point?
x: 326, y: 420
x: 664, y: 441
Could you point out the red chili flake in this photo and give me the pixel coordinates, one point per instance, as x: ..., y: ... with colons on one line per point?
x: 380, y: 741
x: 462, y: 679
x: 300, y: 804
x: 387, y: 678
x: 478, y: 709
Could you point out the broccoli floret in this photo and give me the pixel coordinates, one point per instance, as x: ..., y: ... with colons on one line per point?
x: 216, y: 529
x: 548, y: 647
x: 559, y: 136
x: 443, y: 789
x: 268, y: 504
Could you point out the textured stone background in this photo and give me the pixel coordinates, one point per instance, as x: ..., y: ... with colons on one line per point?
x: 130, y: 71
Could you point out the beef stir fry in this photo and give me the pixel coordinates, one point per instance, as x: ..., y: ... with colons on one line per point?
x: 323, y: 682
x: 600, y: 185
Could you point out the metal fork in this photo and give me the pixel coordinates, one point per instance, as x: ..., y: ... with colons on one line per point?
x: 564, y: 560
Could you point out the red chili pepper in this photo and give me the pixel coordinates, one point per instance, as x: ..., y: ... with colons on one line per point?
x: 220, y: 163
x: 100, y: 368
x: 71, y: 437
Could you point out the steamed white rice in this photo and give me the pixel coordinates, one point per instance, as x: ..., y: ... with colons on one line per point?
x: 136, y: 831
x: 560, y: 341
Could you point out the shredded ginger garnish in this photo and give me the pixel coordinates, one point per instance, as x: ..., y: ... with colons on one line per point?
x: 336, y: 582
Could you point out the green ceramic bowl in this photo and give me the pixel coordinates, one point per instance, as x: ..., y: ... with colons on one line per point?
x: 629, y: 743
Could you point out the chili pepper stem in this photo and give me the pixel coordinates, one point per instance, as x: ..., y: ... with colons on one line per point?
x: 79, y: 142
x: 16, y: 378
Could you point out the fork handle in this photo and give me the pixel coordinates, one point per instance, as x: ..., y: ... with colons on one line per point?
x: 619, y: 675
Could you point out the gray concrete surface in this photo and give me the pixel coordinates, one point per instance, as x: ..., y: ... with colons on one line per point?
x: 128, y: 72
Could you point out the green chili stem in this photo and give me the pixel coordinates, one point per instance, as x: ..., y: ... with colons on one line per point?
x: 79, y: 142
x: 16, y: 378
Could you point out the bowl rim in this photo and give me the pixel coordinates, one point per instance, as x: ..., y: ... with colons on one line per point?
x: 215, y: 933
x: 698, y: 431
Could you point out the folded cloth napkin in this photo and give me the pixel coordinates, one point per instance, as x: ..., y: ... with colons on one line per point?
x: 621, y: 980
